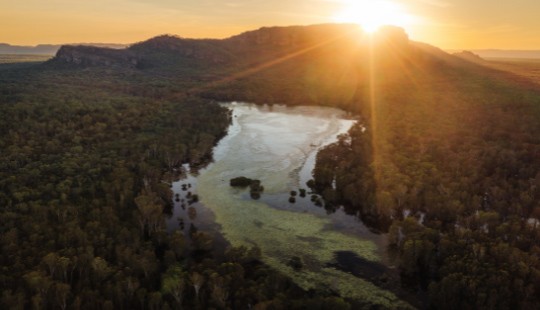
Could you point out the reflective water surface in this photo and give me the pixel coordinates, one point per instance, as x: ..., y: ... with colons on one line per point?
x: 278, y: 145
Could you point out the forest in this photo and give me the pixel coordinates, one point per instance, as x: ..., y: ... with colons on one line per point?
x: 454, y: 177
x: 445, y: 159
x: 83, y: 198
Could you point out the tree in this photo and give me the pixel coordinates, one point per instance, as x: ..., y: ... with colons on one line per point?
x: 173, y: 283
x: 177, y: 244
x: 38, y: 283
x: 51, y: 260
x: 197, y: 281
x: 61, y: 293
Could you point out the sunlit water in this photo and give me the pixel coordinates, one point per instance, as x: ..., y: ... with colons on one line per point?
x: 278, y: 145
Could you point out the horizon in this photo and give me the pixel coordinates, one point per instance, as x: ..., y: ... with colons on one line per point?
x: 127, y: 44
x: 447, y: 24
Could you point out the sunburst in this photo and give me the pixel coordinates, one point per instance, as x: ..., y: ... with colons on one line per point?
x: 372, y: 14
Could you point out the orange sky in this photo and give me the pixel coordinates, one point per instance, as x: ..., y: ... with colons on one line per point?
x: 449, y: 24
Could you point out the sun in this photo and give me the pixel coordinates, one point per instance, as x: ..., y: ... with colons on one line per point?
x: 372, y: 14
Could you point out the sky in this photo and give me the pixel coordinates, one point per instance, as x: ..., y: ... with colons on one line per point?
x: 449, y: 24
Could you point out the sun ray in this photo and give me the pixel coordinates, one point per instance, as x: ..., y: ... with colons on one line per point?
x: 273, y: 62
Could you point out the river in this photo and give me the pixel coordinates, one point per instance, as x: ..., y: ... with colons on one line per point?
x: 278, y: 145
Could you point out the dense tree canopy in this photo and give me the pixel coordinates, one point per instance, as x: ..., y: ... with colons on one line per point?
x: 82, y: 197
x: 454, y: 177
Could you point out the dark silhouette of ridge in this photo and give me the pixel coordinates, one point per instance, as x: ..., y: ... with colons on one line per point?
x: 170, y: 52
x: 328, y: 63
x: 251, y: 46
x: 320, y: 64
x: 96, y: 56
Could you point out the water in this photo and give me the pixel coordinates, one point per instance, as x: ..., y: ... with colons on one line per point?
x: 278, y: 145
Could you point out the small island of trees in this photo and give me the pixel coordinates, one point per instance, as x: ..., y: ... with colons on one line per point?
x: 255, y: 187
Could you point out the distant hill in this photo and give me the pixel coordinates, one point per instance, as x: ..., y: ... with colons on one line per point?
x: 168, y: 51
x: 316, y: 64
x: 46, y: 49
x: 270, y: 44
x: 470, y: 56
x: 498, y: 53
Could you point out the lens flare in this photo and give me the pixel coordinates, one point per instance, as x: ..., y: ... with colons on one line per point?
x: 372, y: 14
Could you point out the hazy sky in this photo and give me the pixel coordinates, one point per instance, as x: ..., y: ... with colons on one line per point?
x: 451, y: 24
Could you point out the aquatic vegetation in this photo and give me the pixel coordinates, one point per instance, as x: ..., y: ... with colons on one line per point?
x: 284, y: 235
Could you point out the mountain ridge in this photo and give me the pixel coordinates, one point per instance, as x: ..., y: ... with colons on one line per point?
x: 502, y: 53
x: 294, y: 65
x: 261, y: 44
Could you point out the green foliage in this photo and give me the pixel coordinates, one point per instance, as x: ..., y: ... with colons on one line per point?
x: 255, y: 187
x: 462, y: 166
x: 241, y: 182
x: 173, y: 283
x: 81, y: 192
